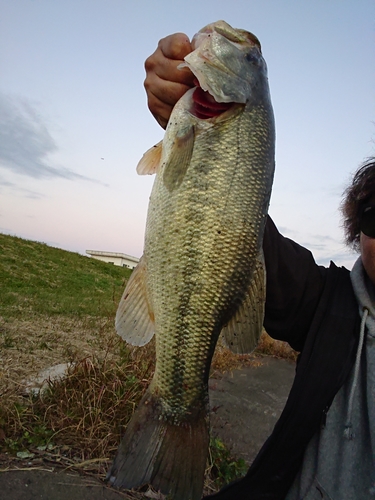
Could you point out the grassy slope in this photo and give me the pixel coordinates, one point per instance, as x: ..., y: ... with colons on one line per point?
x: 58, y: 306
x: 37, y: 278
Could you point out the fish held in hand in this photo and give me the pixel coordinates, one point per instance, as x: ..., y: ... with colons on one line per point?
x: 202, y: 271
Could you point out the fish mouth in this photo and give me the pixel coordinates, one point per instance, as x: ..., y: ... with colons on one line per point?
x: 204, y: 105
x: 221, y: 61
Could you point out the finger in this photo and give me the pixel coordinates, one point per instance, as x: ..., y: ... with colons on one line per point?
x: 167, y: 91
x: 165, y: 82
x: 162, y: 97
x: 160, y: 110
x: 168, y: 56
x: 175, y: 46
x: 167, y: 70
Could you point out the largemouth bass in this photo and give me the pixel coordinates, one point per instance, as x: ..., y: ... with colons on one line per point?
x: 202, y: 271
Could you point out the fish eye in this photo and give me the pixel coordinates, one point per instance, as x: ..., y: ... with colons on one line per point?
x: 252, y: 57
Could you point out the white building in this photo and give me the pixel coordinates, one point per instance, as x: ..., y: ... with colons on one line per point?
x: 118, y: 259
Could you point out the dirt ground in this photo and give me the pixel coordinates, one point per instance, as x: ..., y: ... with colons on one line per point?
x: 245, y: 405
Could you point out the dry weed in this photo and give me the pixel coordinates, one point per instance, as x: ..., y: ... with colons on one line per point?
x: 78, y: 421
x: 82, y: 416
x: 271, y: 347
x: 29, y: 346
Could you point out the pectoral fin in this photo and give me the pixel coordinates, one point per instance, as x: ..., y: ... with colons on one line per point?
x: 179, y: 158
x: 242, y: 332
x: 150, y: 161
x: 134, y: 318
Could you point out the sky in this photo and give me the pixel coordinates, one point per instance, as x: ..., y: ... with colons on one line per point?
x: 74, y: 120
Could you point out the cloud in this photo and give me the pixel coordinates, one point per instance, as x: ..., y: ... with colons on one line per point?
x: 28, y: 193
x: 325, y: 248
x: 25, y: 142
x: 5, y: 183
x: 343, y: 258
x: 13, y: 188
x: 285, y: 230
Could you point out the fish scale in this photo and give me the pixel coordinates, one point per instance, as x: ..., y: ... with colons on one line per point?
x: 202, y: 271
x: 199, y: 291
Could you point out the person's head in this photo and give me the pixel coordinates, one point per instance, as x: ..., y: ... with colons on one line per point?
x: 358, y: 209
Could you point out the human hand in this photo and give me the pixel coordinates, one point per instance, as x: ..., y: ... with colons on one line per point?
x: 164, y: 82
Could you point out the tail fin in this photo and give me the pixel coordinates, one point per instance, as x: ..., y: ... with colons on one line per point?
x: 155, y: 451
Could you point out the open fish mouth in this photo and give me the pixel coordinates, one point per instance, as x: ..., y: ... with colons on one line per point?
x: 204, y: 105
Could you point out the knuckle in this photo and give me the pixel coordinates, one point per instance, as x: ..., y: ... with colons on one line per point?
x: 147, y: 84
x: 149, y: 63
x: 174, y: 46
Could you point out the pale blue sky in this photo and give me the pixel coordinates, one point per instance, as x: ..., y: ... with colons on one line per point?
x: 71, y: 93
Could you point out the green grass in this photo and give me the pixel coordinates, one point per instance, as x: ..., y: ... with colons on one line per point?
x: 37, y: 278
x: 224, y: 467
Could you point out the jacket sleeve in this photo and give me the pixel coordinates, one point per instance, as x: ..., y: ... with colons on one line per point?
x: 294, y: 286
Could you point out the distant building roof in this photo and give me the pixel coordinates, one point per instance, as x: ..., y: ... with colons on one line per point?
x: 98, y: 253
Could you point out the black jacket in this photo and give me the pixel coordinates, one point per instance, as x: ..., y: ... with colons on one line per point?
x: 315, y: 310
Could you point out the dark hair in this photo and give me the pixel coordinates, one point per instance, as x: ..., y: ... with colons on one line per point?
x: 356, y: 197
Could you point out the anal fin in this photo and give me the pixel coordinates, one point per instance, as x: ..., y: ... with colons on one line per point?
x: 241, y: 334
